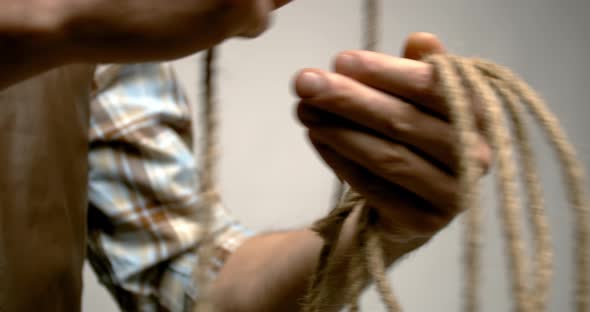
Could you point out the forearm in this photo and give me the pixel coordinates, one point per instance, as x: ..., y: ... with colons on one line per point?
x: 132, y: 31
x: 271, y: 272
x: 267, y: 272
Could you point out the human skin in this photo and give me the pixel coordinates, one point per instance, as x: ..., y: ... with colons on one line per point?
x: 367, y: 119
x: 37, y: 35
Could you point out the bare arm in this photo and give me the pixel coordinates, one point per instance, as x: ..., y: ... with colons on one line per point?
x: 267, y: 273
x: 37, y: 35
x: 271, y: 272
x: 414, y: 196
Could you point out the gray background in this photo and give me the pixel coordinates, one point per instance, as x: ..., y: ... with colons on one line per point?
x: 272, y: 179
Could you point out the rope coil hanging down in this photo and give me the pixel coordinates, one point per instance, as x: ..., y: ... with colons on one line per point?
x: 208, y: 192
x: 489, y: 82
x: 501, y: 93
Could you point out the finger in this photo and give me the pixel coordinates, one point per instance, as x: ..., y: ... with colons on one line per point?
x: 420, y: 45
x: 412, y: 80
x: 392, y: 162
x: 398, y: 208
x: 356, y: 102
x: 441, y: 151
x: 383, y: 113
x: 313, y: 117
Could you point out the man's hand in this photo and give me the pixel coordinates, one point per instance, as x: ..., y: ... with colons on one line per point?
x: 140, y: 30
x: 37, y: 35
x: 380, y: 124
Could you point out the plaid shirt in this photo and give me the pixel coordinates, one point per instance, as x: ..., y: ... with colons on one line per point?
x: 142, y: 233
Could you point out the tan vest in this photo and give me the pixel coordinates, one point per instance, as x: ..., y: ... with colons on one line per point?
x: 43, y: 185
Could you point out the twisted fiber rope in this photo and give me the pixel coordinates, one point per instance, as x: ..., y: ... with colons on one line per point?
x: 370, y: 257
x: 486, y: 80
x: 459, y: 78
x: 573, y: 173
x: 208, y: 184
x: 464, y: 126
x: 456, y: 73
x: 371, y: 24
x: 543, y: 262
x: 499, y: 138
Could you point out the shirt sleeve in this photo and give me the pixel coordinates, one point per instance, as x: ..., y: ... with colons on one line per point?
x: 142, y: 229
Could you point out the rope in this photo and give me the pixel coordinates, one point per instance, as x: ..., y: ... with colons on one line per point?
x: 501, y: 93
x: 371, y: 22
x: 464, y: 126
x: 499, y: 138
x: 208, y: 192
x: 369, y: 259
x: 543, y: 262
x: 573, y: 173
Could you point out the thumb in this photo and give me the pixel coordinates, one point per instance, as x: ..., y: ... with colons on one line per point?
x: 420, y: 45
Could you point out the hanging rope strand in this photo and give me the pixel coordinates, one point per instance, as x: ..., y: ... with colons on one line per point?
x: 573, y: 173
x: 358, y: 276
x: 459, y: 77
x: 328, y: 229
x: 208, y: 192
x: 210, y: 154
x: 371, y: 22
x: 543, y: 261
x: 499, y: 138
x: 498, y: 134
x: 376, y: 265
x: 462, y: 120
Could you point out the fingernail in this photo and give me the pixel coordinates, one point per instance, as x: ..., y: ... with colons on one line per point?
x: 347, y: 62
x: 310, y: 84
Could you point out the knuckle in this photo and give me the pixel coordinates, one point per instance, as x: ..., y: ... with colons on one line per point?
x: 369, y: 67
x: 394, y: 161
x: 401, y: 120
x: 358, y: 64
x: 341, y: 58
x: 483, y: 155
x: 423, y: 78
x: 337, y: 90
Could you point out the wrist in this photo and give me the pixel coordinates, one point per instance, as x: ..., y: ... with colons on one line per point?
x: 395, y: 243
x: 398, y: 243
